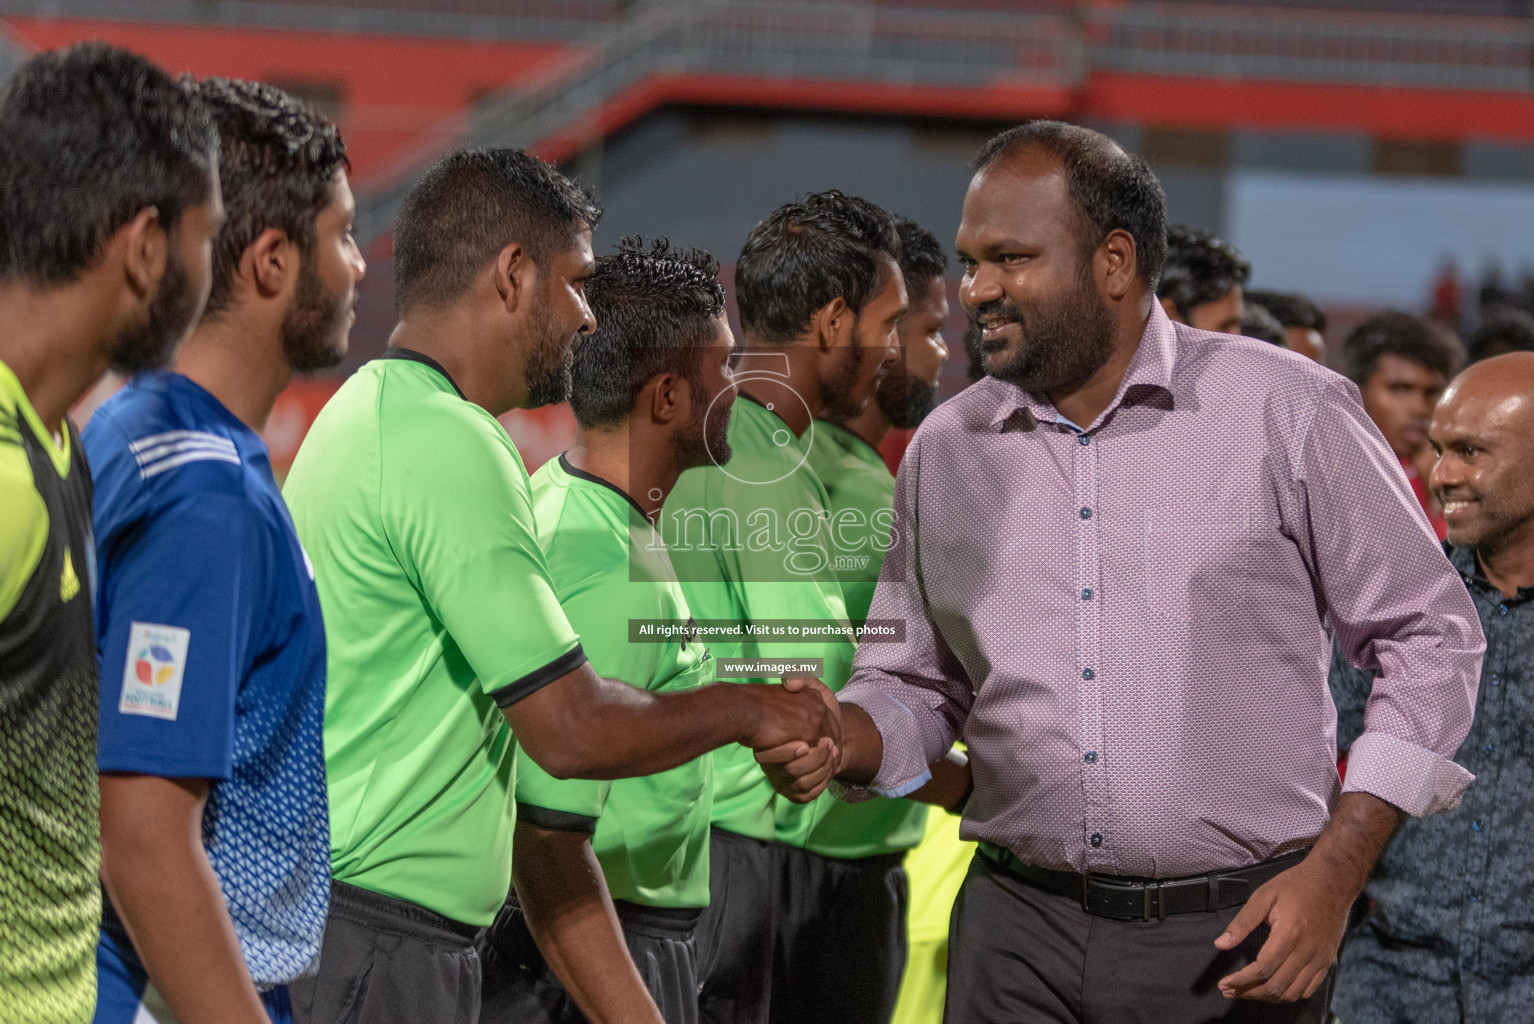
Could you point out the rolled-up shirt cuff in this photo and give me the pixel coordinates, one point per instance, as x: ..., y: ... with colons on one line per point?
x: 1399, y: 772
x: 903, y: 768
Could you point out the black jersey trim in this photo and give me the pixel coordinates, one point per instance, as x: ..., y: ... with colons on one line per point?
x: 395, y: 352
x: 555, y: 821
x: 536, y: 680
x: 581, y: 474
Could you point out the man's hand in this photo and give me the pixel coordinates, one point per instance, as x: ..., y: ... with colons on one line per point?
x: 1306, y: 907
x: 796, y: 716
x: 799, y: 771
x: 1306, y: 911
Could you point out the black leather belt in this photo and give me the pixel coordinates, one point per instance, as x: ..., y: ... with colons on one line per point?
x: 1142, y: 899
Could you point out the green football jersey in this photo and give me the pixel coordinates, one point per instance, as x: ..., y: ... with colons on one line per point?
x: 417, y: 514
x: 750, y: 542
x: 862, y: 496
x: 862, y: 493
x: 50, y: 833
x: 609, y: 567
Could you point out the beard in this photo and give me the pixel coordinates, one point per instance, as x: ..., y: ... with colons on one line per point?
x: 313, y: 329
x: 904, y: 400
x: 842, y: 402
x: 152, y: 344
x: 1063, y: 343
x: 550, y: 359
x: 705, y: 440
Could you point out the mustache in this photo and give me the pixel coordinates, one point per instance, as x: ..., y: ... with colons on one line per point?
x: 1000, y: 311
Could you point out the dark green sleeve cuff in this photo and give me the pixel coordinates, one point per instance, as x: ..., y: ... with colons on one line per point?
x: 555, y: 821
x: 536, y: 680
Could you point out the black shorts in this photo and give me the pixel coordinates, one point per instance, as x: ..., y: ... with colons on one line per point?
x: 841, y: 944
x: 521, y: 988
x: 388, y: 961
x: 738, y: 929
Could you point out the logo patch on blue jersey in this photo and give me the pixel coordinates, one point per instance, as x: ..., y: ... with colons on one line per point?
x: 152, y: 676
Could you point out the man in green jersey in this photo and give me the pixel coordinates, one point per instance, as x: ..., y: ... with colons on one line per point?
x: 862, y: 491
x: 820, y: 294
x: 846, y: 452
x: 447, y: 646
x: 97, y: 270
x: 645, y: 383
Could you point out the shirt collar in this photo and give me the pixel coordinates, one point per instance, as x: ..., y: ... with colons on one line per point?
x: 581, y: 474
x: 1151, y: 371
x: 411, y: 355
x: 1469, y: 567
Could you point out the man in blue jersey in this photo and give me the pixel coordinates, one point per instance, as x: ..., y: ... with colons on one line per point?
x: 213, y: 808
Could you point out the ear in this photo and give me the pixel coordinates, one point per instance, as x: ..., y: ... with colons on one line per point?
x: 1171, y: 310
x: 147, y: 250
x: 670, y: 398
x: 1120, y: 262
x: 832, y: 324
x: 514, y: 272
x: 270, y: 262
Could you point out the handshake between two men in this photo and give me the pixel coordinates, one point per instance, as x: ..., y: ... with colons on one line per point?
x: 849, y: 748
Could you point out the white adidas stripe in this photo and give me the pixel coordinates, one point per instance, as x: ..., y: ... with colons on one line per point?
x: 149, y: 455
x: 171, y: 462
x: 178, y: 435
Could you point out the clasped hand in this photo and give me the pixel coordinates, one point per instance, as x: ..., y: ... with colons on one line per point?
x: 800, y: 769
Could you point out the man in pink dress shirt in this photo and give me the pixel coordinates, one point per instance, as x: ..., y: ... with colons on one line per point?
x: 1118, y: 558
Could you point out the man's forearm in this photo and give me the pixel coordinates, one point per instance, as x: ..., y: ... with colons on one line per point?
x: 570, y: 915
x: 584, y: 726
x: 1359, y: 830
x: 157, y: 875
x: 862, y: 747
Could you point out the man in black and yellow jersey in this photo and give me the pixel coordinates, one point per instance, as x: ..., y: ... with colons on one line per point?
x: 108, y: 199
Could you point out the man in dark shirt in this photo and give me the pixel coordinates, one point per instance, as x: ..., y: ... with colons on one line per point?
x: 1452, y: 936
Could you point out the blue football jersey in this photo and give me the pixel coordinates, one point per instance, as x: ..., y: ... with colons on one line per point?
x: 213, y: 653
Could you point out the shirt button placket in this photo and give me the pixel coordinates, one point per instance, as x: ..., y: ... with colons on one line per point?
x: 1094, y: 789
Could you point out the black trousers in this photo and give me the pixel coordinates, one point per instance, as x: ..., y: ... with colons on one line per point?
x: 1019, y: 954
x: 841, y: 944
x: 521, y: 988
x: 387, y: 961
x: 736, y: 933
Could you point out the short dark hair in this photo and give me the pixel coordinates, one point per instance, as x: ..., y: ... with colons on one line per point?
x: 807, y: 253
x: 471, y: 205
x: 90, y: 136
x: 655, y: 310
x: 1113, y: 189
x: 1200, y: 268
x: 1291, y: 309
x: 922, y: 257
x: 277, y: 159
x: 1400, y: 334
x: 1257, y: 322
x: 1503, y: 329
